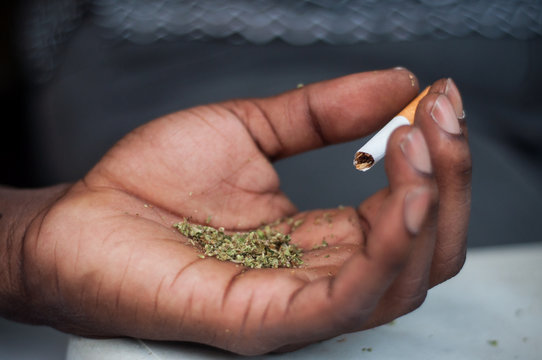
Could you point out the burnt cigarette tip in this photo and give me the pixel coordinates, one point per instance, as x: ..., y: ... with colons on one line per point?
x: 363, y: 161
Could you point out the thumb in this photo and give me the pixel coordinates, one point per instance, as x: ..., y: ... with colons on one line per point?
x: 326, y: 112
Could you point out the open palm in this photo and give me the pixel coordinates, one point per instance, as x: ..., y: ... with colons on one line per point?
x: 115, y: 266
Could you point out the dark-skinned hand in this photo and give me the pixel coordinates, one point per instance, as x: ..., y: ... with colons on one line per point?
x: 101, y: 258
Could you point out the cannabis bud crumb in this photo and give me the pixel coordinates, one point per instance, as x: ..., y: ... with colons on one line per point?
x: 261, y: 248
x: 493, y: 342
x: 323, y: 245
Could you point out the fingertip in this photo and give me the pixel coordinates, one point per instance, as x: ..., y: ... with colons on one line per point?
x: 403, y: 217
x: 438, y: 87
x: 390, y: 240
x: 395, y: 162
x: 415, y: 150
x: 416, y: 207
x: 409, y: 166
x: 407, y: 74
x: 448, y: 88
x: 437, y: 109
x: 455, y: 98
x: 408, y: 160
x: 445, y: 134
x: 444, y: 115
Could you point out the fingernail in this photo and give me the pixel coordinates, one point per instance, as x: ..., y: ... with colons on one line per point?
x: 416, y: 151
x: 415, y: 209
x: 398, y: 68
x: 455, y: 98
x: 445, y: 116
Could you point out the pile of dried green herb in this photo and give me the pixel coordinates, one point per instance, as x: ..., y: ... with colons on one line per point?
x: 261, y: 248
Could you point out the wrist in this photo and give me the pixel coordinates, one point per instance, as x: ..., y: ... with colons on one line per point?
x: 18, y: 209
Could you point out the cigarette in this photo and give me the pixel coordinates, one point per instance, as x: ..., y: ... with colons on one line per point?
x: 375, y: 149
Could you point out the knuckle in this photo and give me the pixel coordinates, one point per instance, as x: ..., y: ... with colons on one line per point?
x: 463, y: 167
x: 417, y: 301
x: 446, y: 270
x: 353, y: 319
x: 456, y: 265
x: 410, y: 294
x: 411, y: 301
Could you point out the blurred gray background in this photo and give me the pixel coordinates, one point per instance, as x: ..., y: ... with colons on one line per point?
x: 78, y: 75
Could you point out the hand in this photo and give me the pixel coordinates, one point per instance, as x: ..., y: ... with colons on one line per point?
x: 104, y: 260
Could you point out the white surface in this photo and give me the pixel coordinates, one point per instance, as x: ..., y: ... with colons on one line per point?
x: 497, y: 296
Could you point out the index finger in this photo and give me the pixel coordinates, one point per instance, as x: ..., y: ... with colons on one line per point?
x: 326, y: 112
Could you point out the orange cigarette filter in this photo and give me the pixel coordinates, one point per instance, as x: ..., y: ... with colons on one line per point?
x: 410, y: 110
